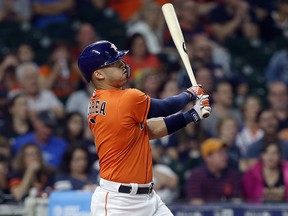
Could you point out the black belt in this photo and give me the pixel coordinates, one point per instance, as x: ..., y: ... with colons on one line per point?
x: 140, y: 190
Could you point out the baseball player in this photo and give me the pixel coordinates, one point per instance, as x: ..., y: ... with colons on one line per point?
x: 118, y: 120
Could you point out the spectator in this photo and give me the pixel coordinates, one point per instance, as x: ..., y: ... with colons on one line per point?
x: 48, y: 12
x: 268, y: 122
x: 15, y: 11
x: 270, y: 15
x: 75, y: 132
x: 25, y: 53
x: 17, y: 122
x: 167, y: 147
x: 210, y: 54
x: 233, y: 18
x: 3, y: 103
x: 277, y: 68
x: 8, y: 82
x: 177, y: 150
x: 214, y: 181
x: 188, y: 21
x: 76, y: 170
x: 227, y: 128
x: 5, y: 148
x: 78, y: 102
x: 149, y: 81
x: 281, y: 15
x: 59, y: 74
x: 8, y: 71
x: 139, y: 57
x: 150, y: 25
x: 125, y: 9
x: 51, y: 145
x: 250, y: 131
x: 4, y: 172
x: 267, y: 181
x: 188, y: 154
x: 38, y: 99
x: 203, y: 75
x: 166, y: 182
x: 222, y: 106
x: 103, y: 18
x: 205, y: 6
x: 278, y: 101
x: 29, y: 172
x: 85, y: 35
x: 277, y: 21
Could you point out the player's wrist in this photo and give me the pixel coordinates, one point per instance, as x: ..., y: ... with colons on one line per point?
x: 192, y: 116
x: 192, y: 96
x: 175, y: 122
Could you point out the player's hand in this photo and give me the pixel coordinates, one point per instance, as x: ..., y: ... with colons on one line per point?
x: 204, y: 105
x: 201, y: 103
x: 195, y: 92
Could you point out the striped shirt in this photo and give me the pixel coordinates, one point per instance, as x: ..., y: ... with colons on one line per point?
x: 204, y: 185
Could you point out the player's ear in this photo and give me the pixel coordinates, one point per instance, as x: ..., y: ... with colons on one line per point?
x: 98, y: 74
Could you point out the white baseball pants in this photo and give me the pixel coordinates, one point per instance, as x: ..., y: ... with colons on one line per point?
x: 107, y: 201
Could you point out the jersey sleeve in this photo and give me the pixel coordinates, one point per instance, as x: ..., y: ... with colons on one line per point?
x: 136, y: 103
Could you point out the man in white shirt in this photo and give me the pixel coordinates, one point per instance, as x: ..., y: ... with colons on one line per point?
x: 38, y: 99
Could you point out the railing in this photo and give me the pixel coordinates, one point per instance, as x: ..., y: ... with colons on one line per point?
x: 78, y: 203
x: 228, y: 209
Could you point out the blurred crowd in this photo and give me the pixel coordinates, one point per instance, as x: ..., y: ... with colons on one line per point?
x: 239, y: 53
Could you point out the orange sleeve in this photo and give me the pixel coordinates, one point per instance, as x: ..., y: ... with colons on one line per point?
x: 136, y: 103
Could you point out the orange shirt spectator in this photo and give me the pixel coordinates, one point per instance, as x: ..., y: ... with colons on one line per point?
x: 63, y: 86
x: 127, y: 8
x: 60, y: 74
x: 139, y: 57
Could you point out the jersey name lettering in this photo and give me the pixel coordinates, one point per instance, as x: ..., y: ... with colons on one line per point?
x: 97, y: 107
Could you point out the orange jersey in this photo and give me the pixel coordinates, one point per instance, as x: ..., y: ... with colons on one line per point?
x: 117, y: 119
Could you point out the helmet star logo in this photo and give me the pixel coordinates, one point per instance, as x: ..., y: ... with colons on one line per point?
x: 113, y: 47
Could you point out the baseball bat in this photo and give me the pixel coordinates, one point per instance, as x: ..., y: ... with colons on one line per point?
x: 177, y: 36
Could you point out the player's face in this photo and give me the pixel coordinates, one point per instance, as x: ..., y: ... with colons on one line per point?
x: 117, y: 74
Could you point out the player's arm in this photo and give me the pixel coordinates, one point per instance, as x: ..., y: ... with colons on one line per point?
x: 171, y: 105
x: 160, y: 127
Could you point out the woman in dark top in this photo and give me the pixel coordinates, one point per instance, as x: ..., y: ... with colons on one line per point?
x: 73, y: 128
x: 17, y: 122
x: 76, y: 172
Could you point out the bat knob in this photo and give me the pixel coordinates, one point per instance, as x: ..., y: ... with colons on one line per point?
x: 206, y: 115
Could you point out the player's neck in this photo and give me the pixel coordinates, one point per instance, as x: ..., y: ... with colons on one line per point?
x: 104, y: 86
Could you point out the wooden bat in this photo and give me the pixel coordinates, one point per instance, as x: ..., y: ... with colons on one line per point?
x: 177, y: 36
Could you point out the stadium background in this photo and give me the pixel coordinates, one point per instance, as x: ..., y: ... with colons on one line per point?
x: 247, y: 55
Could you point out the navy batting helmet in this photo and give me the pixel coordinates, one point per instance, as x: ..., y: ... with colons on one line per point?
x: 97, y: 55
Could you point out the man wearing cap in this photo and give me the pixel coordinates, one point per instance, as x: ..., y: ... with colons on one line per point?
x: 213, y: 181
x: 52, y: 146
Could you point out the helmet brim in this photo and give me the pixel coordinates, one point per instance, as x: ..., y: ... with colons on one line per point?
x: 120, y: 54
